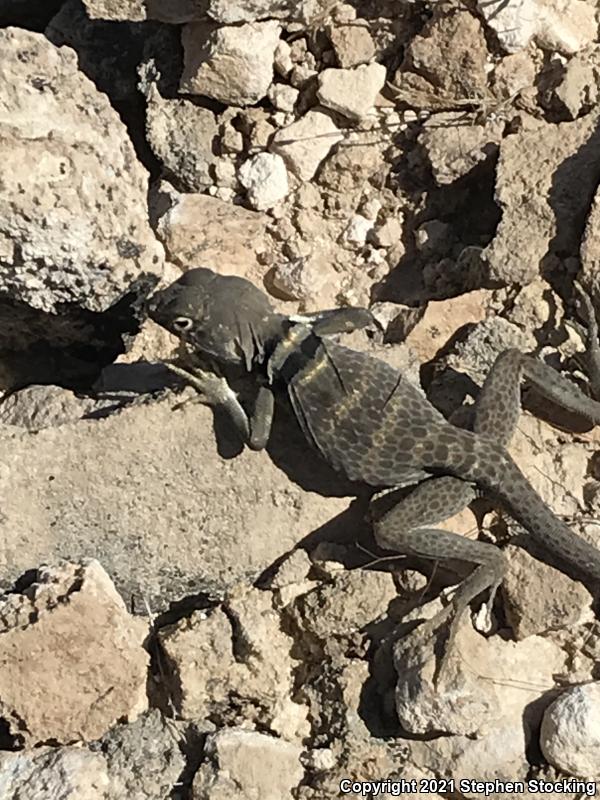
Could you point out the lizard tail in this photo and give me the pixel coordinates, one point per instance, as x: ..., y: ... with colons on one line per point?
x: 518, y: 496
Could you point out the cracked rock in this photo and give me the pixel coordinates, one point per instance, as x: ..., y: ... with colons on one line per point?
x: 352, y: 44
x: 231, y: 64
x: 306, y: 143
x: 90, y: 667
x: 74, y: 229
x: 64, y: 773
x: 245, y: 764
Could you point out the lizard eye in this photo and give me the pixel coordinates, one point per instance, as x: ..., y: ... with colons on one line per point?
x: 182, y: 323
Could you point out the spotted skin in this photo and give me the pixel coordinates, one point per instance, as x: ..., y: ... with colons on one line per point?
x: 370, y: 423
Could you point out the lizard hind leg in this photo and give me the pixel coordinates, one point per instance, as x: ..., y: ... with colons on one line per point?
x: 401, y: 529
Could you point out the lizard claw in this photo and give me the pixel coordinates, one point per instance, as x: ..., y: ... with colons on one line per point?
x: 213, y: 389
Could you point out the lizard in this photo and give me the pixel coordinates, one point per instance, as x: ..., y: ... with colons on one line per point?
x: 373, y: 425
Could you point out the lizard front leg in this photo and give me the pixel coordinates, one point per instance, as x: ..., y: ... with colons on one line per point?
x: 214, y: 390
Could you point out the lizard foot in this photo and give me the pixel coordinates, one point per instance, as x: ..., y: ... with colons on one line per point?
x: 213, y: 389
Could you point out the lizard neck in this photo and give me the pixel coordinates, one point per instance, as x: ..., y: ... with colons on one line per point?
x: 295, y: 348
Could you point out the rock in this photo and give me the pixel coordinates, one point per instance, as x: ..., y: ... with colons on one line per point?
x: 38, y: 407
x: 564, y: 25
x: 389, y: 233
x: 231, y: 11
x: 306, y: 143
x: 311, y: 279
x: 557, y: 167
x: 64, y: 773
x: 197, y: 229
x: 172, y: 11
x: 434, y: 237
x: 349, y: 603
x: 182, y: 497
x: 358, y: 229
x: 352, y: 44
x: 264, y: 176
x: 213, y: 667
x: 539, y: 598
x: 570, y: 734
x: 579, y: 89
x: 233, y: 65
x: 244, y: 764
x: 75, y: 227
x: 454, y: 146
x: 351, y: 92
x: 282, y: 60
x: 283, y: 97
x: 90, y: 666
x: 445, y: 63
x: 477, y: 694
x: 181, y: 135
x: 590, y: 247
x: 144, y: 759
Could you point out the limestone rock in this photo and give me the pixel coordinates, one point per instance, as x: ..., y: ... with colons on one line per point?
x: 144, y: 758
x: 570, y: 734
x: 539, y: 598
x: 89, y: 668
x: 477, y: 694
x: 231, y: 64
x: 37, y: 407
x: 445, y: 63
x: 232, y: 11
x: 564, y: 25
x: 350, y: 602
x: 74, y: 228
x: 182, y: 497
x: 64, y: 773
x: 352, y: 44
x: 264, y: 176
x: 283, y: 97
x: 242, y: 658
x: 557, y: 169
x: 351, y: 92
x: 171, y: 11
x: 306, y: 143
x: 245, y: 764
x: 181, y: 135
x: 197, y: 229
x: 590, y: 247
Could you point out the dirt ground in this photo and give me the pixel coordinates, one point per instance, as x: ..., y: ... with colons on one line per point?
x: 184, y: 618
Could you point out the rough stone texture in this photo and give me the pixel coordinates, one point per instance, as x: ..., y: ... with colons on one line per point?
x: 539, y: 598
x: 445, y: 64
x: 199, y: 230
x: 65, y: 773
x: 225, y: 11
x: 353, y: 45
x: 71, y: 657
x: 454, y: 145
x: 236, y: 656
x: 351, y: 92
x: 246, y: 764
x: 265, y: 179
x: 144, y: 759
x: 590, y: 247
x: 233, y: 65
x: 75, y: 228
x: 564, y: 25
x: 546, y: 179
x: 349, y: 603
x: 38, y: 407
x: 570, y: 734
x: 305, y: 143
x: 182, y: 137
x: 180, y: 526
x: 478, y: 695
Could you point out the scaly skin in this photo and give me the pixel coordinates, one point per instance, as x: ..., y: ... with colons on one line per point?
x: 373, y: 425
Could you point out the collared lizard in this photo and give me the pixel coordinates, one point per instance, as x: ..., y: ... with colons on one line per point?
x: 370, y: 423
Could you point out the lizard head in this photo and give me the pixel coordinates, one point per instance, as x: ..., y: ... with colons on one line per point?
x: 222, y: 316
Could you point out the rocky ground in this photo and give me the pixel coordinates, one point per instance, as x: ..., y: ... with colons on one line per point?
x: 183, y: 618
